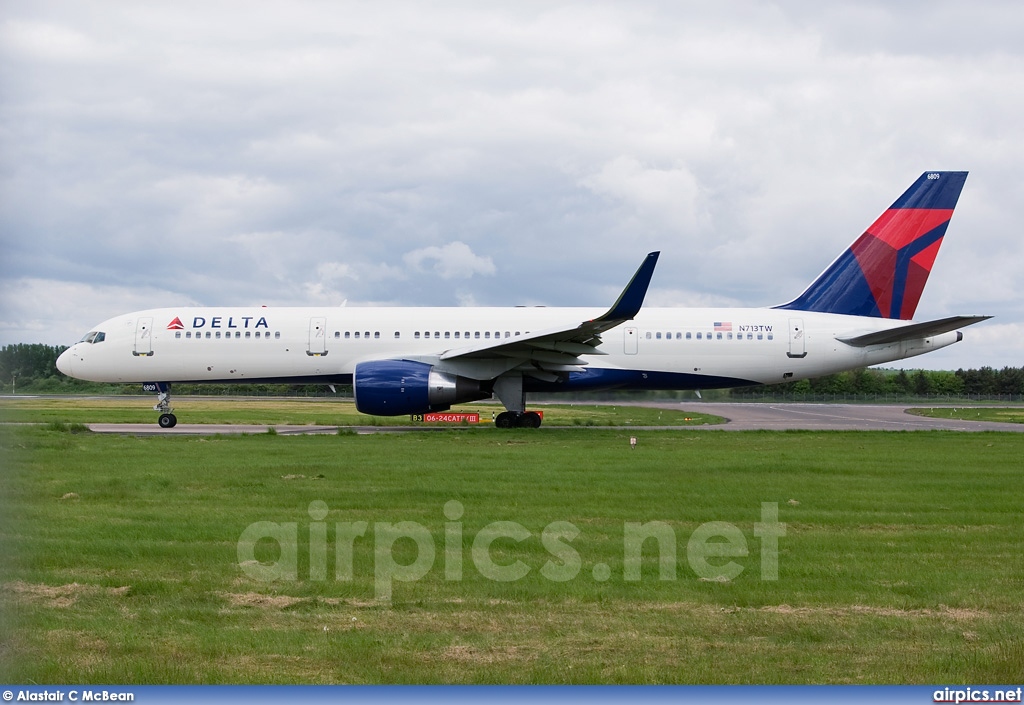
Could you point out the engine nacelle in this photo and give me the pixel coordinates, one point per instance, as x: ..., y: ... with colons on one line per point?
x: 397, y: 387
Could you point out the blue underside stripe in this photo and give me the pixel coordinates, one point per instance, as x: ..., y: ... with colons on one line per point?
x: 596, y: 379
x: 593, y: 379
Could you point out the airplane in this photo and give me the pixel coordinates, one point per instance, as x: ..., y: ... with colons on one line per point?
x: 416, y: 360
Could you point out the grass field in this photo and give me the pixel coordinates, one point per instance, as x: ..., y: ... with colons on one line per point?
x: 901, y: 560
x: 318, y: 411
x: 1003, y: 414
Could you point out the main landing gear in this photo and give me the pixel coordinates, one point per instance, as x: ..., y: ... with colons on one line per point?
x: 515, y: 419
x: 163, y: 404
x: 509, y: 389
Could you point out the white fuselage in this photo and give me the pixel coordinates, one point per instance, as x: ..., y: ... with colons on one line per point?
x: 670, y: 348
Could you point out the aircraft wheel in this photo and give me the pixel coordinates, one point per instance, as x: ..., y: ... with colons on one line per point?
x: 168, y: 420
x: 531, y: 419
x: 506, y: 419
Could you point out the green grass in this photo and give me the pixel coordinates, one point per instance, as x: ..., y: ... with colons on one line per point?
x: 901, y: 561
x: 1001, y: 414
x: 323, y: 412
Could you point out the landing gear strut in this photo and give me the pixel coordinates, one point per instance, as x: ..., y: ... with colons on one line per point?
x: 509, y: 389
x: 163, y: 405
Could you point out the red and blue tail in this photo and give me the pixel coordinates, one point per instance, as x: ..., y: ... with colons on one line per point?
x: 884, y: 272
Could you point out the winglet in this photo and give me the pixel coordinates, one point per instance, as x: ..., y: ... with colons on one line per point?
x: 632, y: 297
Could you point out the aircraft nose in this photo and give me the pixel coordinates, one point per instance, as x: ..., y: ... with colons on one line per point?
x: 64, y: 362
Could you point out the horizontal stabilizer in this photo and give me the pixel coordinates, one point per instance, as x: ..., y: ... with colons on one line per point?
x: 914, y: 331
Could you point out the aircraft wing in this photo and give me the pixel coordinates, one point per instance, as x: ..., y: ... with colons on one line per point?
x: 913, y: 331
x: 558, y: 349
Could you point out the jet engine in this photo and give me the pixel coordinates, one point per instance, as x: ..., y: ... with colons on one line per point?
x: 397, y: 387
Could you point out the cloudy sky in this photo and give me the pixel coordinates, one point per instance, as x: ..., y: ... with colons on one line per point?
x: 468, y: 153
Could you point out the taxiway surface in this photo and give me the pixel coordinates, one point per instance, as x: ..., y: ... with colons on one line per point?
x: 740, y: 417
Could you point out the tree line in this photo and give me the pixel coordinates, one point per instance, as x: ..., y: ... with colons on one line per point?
x: 981, y: 382
x: 32, y: 368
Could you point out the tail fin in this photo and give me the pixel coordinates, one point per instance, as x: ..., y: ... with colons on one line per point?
x: 883, y: 273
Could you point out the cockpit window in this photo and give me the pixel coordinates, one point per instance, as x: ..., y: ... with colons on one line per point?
x: 93, y: 337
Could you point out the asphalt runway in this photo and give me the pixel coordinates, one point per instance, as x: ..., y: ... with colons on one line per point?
x: 740, y: 417
x: 834, y: 417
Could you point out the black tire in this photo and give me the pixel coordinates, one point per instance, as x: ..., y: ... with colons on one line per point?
x: 531, y: 419
x: 506, y: 419
x: 168, y: 421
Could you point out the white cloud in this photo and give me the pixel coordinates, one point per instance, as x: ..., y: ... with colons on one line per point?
x: 670, y: 194
x: 50, y: 42
x: 452, y: 261
x: 59, y: 312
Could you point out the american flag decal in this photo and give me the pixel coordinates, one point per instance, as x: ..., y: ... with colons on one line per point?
x: 723, y: 327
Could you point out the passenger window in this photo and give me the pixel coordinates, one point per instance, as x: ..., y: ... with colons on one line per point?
x: 376, y: 335
x: 648, y: 335
x: 771, y: 337
x: 416, y: 335
x: 699, y: 337
x: 456, y: 335
x: 348, y: 335
x: 337, y: 334
x: 760, y: 336
x: 476, y: 335
x: 249, y: 335
x: 357, y: 335
x: 397, y: 335
x: 277, y: 334
x: 657, y: 335
x: 177, y: 334
x: 688, y: 336
x: 447, y: 335
x: 188, y: 334
x: 719, y: 336
x: 218, y: 334
x: 487, y: 334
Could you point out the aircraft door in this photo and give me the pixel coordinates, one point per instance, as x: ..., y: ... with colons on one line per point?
x: 317, y: 336
x: 797, y: 338
x: 143, y: 337
x: 632, y: 340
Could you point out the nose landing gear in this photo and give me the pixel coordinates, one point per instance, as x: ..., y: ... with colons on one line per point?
x: 163, y: 403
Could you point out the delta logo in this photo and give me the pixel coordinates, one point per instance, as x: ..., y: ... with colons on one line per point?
x: 242, y: 322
